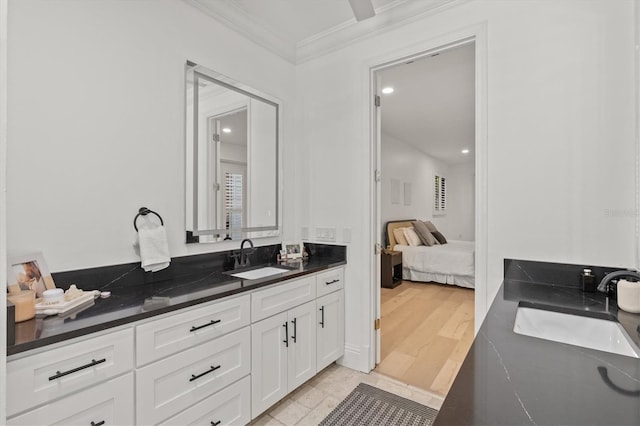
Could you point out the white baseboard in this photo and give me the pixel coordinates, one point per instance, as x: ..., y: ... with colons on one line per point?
x: 354, y: 358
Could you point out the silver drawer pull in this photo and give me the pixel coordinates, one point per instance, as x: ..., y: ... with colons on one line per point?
x: 91, y: 364
x: 332, y: 282
x: 211, y: 370
x: 194, y: 328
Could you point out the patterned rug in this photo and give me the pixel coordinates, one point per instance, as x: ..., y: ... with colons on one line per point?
x: 368, y: 405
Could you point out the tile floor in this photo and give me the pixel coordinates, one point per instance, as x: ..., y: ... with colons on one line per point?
x: 315, y: 399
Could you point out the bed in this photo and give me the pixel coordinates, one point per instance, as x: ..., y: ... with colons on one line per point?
x: 451, y: 263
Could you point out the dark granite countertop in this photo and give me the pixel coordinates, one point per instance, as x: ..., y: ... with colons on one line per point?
x: 513, y: 379
x: 136, y: 295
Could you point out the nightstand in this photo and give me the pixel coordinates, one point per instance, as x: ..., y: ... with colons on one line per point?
x: 391, y: 269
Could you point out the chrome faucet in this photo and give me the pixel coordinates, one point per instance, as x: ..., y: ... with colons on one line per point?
x: 604, y: 284
x: 244, y: 257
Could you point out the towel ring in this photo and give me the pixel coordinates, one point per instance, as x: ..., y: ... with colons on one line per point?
x: 143, y: 211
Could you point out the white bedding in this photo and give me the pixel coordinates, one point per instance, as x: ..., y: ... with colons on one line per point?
x: 451, y: 263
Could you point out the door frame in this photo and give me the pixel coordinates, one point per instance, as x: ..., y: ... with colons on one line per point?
x: 3, y: 205
x: 478, y: 35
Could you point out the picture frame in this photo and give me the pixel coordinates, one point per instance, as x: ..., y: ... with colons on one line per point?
x: 28, y: 272
x: 294, y: 249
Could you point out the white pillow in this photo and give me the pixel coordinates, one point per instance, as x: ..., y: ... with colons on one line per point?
x: 412, y: 237
x: 398, y: 233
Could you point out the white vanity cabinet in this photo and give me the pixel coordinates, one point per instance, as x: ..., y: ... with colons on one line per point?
x: 54, y: 373
x: 330, y: 328
x: 109, y: 403
x: 179, y: 331
x: 216, y: 363
x: 172, y: 384
x: 232, y: 406
x: 190, y: 356
x: 293, y: 344
x: 330, y: 317
x: 283, y: 355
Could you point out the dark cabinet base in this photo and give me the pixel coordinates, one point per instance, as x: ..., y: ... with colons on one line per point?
x: 391, y: 269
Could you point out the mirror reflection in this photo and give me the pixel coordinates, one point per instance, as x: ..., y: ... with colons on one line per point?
x: 232, y: 159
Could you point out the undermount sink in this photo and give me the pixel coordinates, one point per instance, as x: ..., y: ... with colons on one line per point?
x: 264, y: 272
x: 578, y: 330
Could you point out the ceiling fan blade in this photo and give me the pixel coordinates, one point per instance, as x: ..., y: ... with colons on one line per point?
x: 362, y: 9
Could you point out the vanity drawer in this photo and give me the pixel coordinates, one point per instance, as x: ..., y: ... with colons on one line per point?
x: 160, y: 338
x: 110, y: 402
x: 273, y: 300
x: 230, y: 406
x: 329, y: 281
x: 51, y: 374
x: 168, y: 386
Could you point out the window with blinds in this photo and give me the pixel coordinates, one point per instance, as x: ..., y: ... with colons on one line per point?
x: 233, y: 204
x: 440, y: 194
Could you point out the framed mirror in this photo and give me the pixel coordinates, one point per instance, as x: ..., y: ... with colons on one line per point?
x: 232, y: 159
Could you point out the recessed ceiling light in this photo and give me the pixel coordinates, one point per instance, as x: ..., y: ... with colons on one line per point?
x: 226, y: 130
x: 387, y: 90
x: 465, y: 151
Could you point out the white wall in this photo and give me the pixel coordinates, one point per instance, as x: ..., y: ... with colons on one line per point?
x: 96, y: 122
x: 405, y: 163
x: 560, y: 108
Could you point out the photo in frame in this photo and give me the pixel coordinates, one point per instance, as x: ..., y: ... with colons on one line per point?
x: 28, y: 272
x: 294, y: 250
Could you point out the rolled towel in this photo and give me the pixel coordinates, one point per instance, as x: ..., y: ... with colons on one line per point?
x: 154, y: 248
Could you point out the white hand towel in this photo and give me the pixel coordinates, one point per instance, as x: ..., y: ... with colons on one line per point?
x: 154, y: 248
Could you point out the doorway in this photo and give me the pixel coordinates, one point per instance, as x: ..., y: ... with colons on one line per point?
x: 406, y: 198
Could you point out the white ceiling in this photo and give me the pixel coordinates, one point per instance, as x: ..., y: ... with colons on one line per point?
x: 298, y: 30
x: 433, y: 104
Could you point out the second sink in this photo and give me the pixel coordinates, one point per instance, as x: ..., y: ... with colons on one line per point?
x: 578, y: 330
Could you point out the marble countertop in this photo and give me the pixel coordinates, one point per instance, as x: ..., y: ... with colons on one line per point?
x: 134, y: 299
x: 513, y: 379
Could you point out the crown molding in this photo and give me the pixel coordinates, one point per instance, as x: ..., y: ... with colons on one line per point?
x: 388, y: 17
x: 233, y: 17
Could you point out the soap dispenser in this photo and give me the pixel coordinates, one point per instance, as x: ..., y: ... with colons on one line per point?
x: 588, y: 281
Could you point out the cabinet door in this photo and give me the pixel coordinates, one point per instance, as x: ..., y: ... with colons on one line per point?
x: 172, y: 384
x: 302, y: 344
x: 268, y: 362
x: 329, y: 281
x: 36, y: 379
x: 280, y: 297
x: 180, y: 331
x: 109, y: 403
x: 330, y: 326
x: 229, y: 406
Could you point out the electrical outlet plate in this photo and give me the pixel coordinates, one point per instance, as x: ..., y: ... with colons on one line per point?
x: 326, y: 234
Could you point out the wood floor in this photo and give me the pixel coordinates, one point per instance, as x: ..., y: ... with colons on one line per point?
x: 426, y: 332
